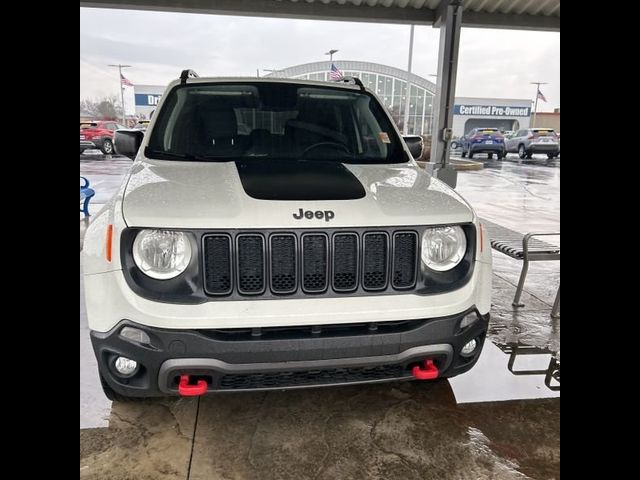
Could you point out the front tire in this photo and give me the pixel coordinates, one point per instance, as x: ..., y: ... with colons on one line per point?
x: 551, y: 156
x: 107, y: 147
x: 470, y: 153
x: 522, y: 152
x: 463, y: 154
x: 490, y: 156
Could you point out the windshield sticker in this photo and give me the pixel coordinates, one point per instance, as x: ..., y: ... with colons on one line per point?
x: 384, y: 137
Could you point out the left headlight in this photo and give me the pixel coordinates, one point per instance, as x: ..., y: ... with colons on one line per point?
x: 443, y: 247
x: 161, y: 254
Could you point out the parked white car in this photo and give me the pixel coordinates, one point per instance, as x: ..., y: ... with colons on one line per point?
x: 308, y: 251
x: 534, y: 140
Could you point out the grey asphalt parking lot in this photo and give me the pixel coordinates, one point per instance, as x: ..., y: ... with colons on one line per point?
x: 499, y: 420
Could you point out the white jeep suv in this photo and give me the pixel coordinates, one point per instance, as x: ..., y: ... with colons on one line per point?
x: 276, y: 233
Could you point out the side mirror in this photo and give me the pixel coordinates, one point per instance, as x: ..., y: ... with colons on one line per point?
x: 127, y: 142
x: 415, y: 144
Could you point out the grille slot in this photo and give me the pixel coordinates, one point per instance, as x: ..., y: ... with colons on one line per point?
x: 405, y: 248
x: 375, y: 259
x: 250, y: 264
x: 345, y: 262
x: 314, y: 262
x: 217, y: 264
x: 284, y: 265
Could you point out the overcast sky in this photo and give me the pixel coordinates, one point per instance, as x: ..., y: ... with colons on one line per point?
x: 492, y: 63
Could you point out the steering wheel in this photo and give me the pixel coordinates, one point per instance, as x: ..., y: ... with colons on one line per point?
x: 336, y: 145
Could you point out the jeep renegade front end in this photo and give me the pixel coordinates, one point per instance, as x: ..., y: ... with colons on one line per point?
x: 277, y: 234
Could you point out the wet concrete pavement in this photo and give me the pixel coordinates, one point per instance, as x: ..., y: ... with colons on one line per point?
x: 500, y: 420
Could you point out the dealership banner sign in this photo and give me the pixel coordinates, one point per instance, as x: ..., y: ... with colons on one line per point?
x: 147, y: 99
x: 492, y: 110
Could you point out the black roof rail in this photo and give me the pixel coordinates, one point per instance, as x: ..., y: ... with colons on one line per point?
x: 353, y: 80
x: 186, y: 74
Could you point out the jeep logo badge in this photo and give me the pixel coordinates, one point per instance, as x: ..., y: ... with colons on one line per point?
x: 319, y: 214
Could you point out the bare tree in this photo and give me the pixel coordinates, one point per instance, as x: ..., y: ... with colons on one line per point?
x: 106, y: 108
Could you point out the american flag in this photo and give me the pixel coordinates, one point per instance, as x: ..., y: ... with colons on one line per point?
x: 541, y: 96
x: 125, y: 81
x: 336, y: 73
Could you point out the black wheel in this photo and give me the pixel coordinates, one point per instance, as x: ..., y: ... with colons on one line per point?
x: 529, y: 155
x: 551, y: 155
x: 81, y: 151
x: 470, y: 153
x: 454, y: 145
x: 501, y: 156
x: 521, y: 151
x: 463, y: 154
x: 107, y: 147
x: 490, y: 156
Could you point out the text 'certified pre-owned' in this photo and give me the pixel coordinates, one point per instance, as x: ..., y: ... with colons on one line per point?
x: 319, y: 214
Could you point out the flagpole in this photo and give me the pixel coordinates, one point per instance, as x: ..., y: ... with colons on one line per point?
x: 120, y: 67
x: 330, y: 53
x: 535, y: 107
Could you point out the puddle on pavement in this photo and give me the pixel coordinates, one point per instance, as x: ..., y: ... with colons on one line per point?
x: 509, y: 372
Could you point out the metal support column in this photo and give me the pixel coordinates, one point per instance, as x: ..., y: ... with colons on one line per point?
x: 450, y: 22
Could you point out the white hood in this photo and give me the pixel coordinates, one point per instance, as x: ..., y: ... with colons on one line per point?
x: 178, y: 194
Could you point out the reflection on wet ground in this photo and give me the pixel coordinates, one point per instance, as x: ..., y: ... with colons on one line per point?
x: 500, y: 420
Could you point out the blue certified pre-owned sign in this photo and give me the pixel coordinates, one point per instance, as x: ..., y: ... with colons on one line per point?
x: 491, y: 110
x: 147, y: 99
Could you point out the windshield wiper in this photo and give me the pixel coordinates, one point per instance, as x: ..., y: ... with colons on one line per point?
x: 162, y: 155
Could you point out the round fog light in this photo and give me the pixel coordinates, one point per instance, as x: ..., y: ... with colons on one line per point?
x: 125, y: 366
x: 469, y: 347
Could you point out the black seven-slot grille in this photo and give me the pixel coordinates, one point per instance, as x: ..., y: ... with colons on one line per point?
x: 310, y: 263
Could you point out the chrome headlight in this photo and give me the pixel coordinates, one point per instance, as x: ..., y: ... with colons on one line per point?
x: 443, y: 247
x: 161, y: 254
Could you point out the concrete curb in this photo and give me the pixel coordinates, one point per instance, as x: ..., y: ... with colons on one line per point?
x: 458, y: 164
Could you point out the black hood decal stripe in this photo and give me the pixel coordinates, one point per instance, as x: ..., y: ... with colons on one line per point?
x: 298, y: 180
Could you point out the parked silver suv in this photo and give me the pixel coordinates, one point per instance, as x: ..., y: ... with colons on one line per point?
x: 534, y: 140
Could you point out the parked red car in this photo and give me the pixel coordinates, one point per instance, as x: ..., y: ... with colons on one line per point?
x: 98, y: 135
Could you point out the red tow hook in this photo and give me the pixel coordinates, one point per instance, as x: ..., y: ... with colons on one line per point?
x: 187, y: 390
x: 429, y: 372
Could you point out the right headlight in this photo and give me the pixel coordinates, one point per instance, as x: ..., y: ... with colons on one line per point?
x: 161, y: 254
x: 443, y: 247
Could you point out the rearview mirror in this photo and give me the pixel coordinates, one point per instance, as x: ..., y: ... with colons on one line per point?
x: 415, y: 144
x: 127, y: 142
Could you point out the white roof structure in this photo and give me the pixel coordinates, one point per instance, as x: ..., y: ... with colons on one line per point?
x: 514, y: 14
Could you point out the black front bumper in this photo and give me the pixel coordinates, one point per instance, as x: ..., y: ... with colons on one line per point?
x: 279, y: 358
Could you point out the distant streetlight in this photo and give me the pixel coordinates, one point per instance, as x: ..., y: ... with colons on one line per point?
x: 431, y: 105
x: 407, y: 105
x: 330, y: 53
x: 120, y: 77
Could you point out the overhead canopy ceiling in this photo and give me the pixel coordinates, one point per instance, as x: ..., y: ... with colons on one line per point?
x: 512, y: 14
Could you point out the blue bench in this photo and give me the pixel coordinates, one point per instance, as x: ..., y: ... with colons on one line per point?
x: 85, y: 195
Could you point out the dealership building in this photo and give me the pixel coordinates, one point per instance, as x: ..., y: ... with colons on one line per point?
x: 390, y: 84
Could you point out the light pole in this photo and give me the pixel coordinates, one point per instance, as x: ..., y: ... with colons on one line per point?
x: 432, y: 103
x: 535, y: 108
x: 405, y: 127
x: 120, y: 67
x: 330, y: 53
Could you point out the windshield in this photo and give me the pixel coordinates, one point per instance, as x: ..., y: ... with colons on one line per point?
x: 273, y: 121
x: 88, y: 125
